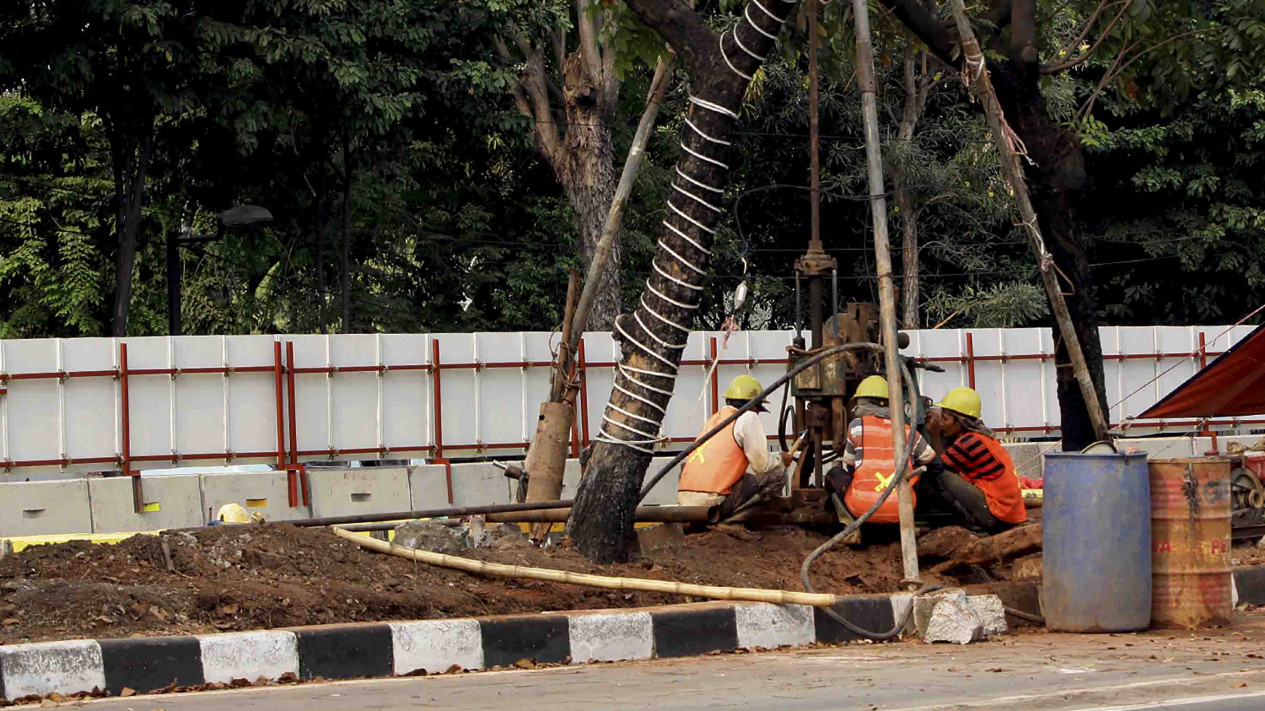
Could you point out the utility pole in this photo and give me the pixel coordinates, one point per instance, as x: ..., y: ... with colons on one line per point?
x: 975, y: 75
x: 886, y: 280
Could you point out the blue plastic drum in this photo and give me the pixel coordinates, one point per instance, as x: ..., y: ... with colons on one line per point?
x: 1097, y: 542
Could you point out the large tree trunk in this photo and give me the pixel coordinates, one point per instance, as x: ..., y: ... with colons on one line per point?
x: 601, y: 522
x: 1056, y: 177
x: 915, y: 100
x: 586, y: 171
x: 131, y: 157
x: 345, y: 247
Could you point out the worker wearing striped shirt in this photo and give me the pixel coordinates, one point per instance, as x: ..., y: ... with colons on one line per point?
x: 978, y: 477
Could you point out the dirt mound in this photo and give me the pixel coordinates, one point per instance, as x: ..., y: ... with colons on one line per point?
x: 275, y: 575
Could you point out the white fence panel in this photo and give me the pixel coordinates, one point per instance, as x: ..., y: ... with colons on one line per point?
x: 214, y: 399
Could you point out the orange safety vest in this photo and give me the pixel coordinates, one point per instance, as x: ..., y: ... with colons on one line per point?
x: 1005, y: 500
x: 875, y: 467
x: 718, y: 463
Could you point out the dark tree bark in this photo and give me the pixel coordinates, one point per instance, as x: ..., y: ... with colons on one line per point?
x: 601, y: 521
x: 575, y: 140
x: 345, y: 249
x: 1056, y: 176
x: 916, y: 88
x: 130, y: 157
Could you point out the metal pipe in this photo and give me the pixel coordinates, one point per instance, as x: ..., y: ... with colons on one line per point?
x: 799, y: 310
x: 433, y: 513
x: 643, y: 514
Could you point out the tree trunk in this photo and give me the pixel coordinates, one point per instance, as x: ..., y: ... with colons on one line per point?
x: 601, y: 522
x: 1056, y: 177
x: 585, y: 167
x: 131, y: 156
x: 345, y: 251
x: 904, y: 201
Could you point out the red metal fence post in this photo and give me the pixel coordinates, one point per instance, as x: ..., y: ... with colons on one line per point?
x: 584, y: 397
x: 299, y: 469
x: 279, y: 396
x: 437, y: 398
x: 970, y: 360
x: 138, y: 494
x: 715, y: 378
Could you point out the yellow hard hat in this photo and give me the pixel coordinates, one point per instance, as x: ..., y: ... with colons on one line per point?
x: 963, y: 401
x: 233, y: 513
x: 743, y: 387
x: 874, y: 386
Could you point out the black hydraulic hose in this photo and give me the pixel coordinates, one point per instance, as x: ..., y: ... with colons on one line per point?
x: 902, y: 471
x: 782, y: 411
x: 752, y: 403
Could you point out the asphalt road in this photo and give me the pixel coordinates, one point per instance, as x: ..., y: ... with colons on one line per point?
x: 1174, y: 671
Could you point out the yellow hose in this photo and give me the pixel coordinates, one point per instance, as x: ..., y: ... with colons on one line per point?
x: 777, y: 597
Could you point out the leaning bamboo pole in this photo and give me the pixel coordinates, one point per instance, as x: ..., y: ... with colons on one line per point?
x: 777, y: 597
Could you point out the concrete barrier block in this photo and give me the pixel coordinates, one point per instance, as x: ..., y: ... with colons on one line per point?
x: 169, y: 502
x: 663, y: 493
x: 266, y: 493
x: 428, y: 486
x: 347, y: 492
x: 43, y: 507
x: 1027, y: 458
x: 1159, y: 447
x: 571, y: 479
x: 480, y: 484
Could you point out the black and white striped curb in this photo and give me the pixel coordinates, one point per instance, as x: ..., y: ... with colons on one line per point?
x: 403, y: 648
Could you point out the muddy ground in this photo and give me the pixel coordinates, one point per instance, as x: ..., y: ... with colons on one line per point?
x: 275, y: 575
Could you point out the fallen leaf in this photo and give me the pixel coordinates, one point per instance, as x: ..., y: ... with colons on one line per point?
x: 11, y: 621
x: 127, y: 691
x: 1240, y: 686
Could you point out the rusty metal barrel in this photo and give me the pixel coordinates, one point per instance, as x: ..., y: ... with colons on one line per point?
x: 1190, y: 542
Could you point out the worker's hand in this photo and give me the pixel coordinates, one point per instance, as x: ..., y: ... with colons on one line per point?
x: 935, y: 423
x: 787, y: 459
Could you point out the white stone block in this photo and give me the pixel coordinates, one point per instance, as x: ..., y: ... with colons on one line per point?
x: 248, y: 655
x: 954, y: 622
x: 771, y: 626
x: 991, y: 613
x: 436, y: 645
x: 52, y: 667
x: 924, y: 605
x: 609, y: 637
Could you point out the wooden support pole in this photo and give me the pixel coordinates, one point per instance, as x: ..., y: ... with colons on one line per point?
x: 975, y: 74
x: 886, y: 279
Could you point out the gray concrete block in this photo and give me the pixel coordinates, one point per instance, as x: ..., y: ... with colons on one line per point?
x: 428, y: 486
x: 991, y: 613
x: 480, y: 484
x: 347, y: 492
x: 1027, y: 458
x: 925, y: 605
x: 170, y: 502
x: 571, y: 479
x: 266, y: 493
x: 954, y: 622
x: 664, y: 493
x: 45, y: 507
x: 1158, y: 447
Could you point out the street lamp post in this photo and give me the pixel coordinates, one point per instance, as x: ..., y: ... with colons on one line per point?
x: 240, y: 216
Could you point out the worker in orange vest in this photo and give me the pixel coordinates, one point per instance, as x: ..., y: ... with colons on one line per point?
x: 734, y: 465
x: 978, y: 478
x: 868, y: 461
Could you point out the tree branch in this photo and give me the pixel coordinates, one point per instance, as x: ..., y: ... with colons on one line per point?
x: 913, y: 15
x: 1118, y: 66
x: 1069, y: 63
x: 1023, y: 33
x: 686, y: 33
x: 531, y: 95
x: 587, y: 26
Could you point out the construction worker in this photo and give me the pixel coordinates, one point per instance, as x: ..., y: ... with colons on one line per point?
x: 978, y: 478
x: 734, y: 465
x: 869, y: 457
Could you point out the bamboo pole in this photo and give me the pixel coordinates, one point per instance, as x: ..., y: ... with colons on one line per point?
x: 975, y: 74
x: 886, y: 279
x: 777, y: 597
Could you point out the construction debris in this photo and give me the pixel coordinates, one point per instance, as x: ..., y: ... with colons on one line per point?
x: 953, y: 621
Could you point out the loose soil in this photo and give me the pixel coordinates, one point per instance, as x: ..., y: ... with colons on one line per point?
x: 276, y: 575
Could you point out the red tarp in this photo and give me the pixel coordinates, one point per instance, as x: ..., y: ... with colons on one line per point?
x: 1231, y: 385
